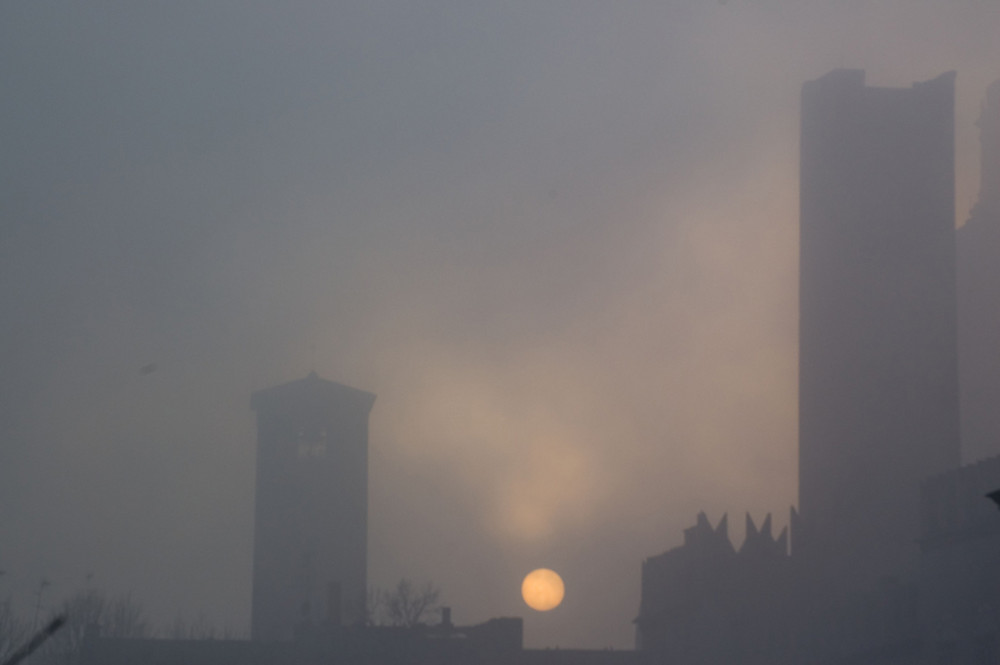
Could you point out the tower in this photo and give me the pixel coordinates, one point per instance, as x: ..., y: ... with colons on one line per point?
x: 311, y: 506
x: 878, y: 377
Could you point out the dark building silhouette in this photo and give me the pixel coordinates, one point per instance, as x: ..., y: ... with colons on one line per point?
x: 494, y: 642
x: 979, y: 297
x: 311, y: 512
x: 878, y: 371
x: 959, y: 579
x: 895, y: 550
x: 705, y: 602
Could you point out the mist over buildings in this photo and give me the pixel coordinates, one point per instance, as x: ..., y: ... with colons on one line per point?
x: 559, y: 243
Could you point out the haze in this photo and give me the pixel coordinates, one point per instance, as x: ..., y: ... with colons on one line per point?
x: 558, y: 240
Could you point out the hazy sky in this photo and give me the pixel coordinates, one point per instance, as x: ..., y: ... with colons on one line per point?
x: 557, y: 239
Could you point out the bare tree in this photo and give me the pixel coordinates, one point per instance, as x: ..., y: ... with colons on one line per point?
x: 92, y: 612
x: 407, y: 605
x: 374, y: 606
x: 124, y: 617
x: 197, y: 629
x: 83, y: 611
x: 13, y: 630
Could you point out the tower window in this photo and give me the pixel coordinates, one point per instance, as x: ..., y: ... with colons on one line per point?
x: 311, y: 443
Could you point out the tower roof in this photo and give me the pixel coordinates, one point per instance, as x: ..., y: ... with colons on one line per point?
x: 313, y: 391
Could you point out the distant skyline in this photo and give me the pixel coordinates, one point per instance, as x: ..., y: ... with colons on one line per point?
x: 558, y: 242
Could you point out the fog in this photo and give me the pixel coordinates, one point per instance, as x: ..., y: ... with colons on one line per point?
x: 559, y: 241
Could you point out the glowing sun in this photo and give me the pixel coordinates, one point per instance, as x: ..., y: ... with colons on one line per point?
x: 543, y: 589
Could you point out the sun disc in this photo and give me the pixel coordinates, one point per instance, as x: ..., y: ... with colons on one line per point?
x: 543, y: 589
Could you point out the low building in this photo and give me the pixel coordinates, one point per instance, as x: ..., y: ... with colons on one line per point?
x: 960, y: 565
x: 706, y: 602
x: 495, y: 642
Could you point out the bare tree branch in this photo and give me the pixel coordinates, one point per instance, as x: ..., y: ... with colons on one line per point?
x: 13, y: 630
x: 407, y: 605
x: 91, y: 611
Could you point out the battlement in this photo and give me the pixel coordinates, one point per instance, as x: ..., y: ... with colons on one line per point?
x: 708, y: 578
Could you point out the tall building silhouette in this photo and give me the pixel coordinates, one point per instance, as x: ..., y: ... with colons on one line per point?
x: 878, y: 374
x: 311, y: 507
x: 979, y: 297
x: 895, y: 552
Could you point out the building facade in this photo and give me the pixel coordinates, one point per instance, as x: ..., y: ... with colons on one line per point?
x: 878, y: 370
x: 979, y: 297
x: 311, y: 507
x: 895, y: 551
x: 707, y: 602
x: 960, y: 565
